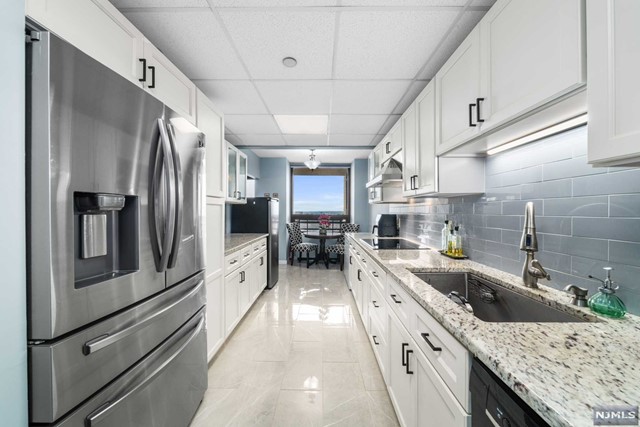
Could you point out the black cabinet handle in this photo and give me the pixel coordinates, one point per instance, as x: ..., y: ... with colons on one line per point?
x: 153, y: 77
x: 374, y: 304
x: 478, y: 119
x: 404, y: 344
x: 410, y: 372
x: 373, y: 337
x: 261, y: 261
x: 144, y: 69
x: 415, y: 182
x: 359, y: 271
x: 374, y: 274
x: 393, y: 297
x: 350, y: 260
x: 387, y: 147
x: 471, y: 124
x: 412, y: 182
x: 242, y: 277
x: 425, y: 336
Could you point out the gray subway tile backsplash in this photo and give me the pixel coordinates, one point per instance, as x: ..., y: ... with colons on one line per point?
x: 594, y: 206
x: 586, y: 217
x: 627, y: 205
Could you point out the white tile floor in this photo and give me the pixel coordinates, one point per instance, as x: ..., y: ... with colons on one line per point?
x: 299, y: 358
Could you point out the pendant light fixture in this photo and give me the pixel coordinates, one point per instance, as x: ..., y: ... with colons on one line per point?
x: 312, y: 163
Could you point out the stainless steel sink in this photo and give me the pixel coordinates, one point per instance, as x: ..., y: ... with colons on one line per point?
x: 491, y: 302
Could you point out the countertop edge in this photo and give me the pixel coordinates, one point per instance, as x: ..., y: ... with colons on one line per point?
x: 250, y: 238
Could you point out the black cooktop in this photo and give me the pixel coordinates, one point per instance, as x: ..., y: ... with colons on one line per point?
x: 392, y: 243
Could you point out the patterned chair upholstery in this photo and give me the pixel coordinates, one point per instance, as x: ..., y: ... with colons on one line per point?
x: 338, y: 248
x: 297, y: 245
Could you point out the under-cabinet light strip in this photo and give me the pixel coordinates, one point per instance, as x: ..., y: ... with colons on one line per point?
x: 551, y: 130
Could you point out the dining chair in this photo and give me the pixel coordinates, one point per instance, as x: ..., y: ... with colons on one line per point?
x: 295, y: 243
x: 338, y: 248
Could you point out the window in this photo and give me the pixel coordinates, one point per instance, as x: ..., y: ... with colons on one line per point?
x: 319, y: 191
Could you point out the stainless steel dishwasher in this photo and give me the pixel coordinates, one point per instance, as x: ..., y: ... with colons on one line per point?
x: 493, y: 404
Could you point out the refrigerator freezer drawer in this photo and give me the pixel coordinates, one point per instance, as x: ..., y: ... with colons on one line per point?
x: 65, y: 372
x: 163, y: 389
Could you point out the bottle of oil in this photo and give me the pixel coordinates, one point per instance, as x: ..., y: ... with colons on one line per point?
x: 451, y: 240
x: 458, y: 241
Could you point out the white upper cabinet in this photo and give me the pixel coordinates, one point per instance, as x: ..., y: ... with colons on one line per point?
x: 236, y: 175
x: 613, y: 82
x: 531, y: 53
x: 458, y: 88
x: 520, y: 70
x: 391, y: 144
x: 426, y: 141
x: 409, y: 131
x: 211, y: 123
x: 167, y: 83
x: 98, y: 29
x: 95, y: 27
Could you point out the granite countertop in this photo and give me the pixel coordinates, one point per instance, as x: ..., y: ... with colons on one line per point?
x: 236, y: 241
x: 561, y: 370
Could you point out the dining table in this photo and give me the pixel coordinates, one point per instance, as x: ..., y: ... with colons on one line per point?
x: 322, y: 238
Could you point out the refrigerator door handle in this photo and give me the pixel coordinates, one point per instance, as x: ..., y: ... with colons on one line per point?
x: 170, y: 217
x: 106, y: 340
x: 178, y: 203
x: 96, y: 416
x: 160, y: 243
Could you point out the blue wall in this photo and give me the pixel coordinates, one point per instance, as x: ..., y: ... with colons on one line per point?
x: 13, y: 318
x: 359, y: 194
x: 254, y: 164
x: 274, y: 178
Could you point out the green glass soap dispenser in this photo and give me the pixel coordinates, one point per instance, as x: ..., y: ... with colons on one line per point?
x: 606, y: 302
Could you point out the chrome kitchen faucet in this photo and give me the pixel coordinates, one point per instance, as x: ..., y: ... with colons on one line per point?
x: 532, y: 269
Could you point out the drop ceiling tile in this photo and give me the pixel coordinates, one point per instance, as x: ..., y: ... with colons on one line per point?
x: 159, y: 3
x: 273, y: 3
x: 376, y: 140
x: 350, y: 140
x: 251, y: 124
x: 296, y: 96
x: 263, y: 38
x: 369, y: 47
x: 486, y: 3
x: 459, y: 32
x: 404, y: 3
x: 413, y: 92
x: 388, y: 124
x: 356, y: 123
x: 263, y: 140
x: 306, y: 140
x: 233, y: 96
x: 367, y: 97
x: 233, y: 139
x: 193, y: 41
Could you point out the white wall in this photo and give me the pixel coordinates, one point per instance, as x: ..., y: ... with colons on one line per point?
x: 13, y: 320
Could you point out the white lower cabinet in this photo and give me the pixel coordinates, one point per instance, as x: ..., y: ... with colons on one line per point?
x: 245, y: 279
x: 215, y: 315
x: 425, y: 368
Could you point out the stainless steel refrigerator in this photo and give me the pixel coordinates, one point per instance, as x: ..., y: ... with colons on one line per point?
x: 260, y: 215
x: 115, y: 248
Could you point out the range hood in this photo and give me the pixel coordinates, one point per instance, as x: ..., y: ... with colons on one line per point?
x: 391, y: 172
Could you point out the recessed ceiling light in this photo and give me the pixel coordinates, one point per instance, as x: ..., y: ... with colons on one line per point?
x: 302, y: 125
x: 290, y: 62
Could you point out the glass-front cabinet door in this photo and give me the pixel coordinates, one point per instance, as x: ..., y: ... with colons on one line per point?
x: 242, y: 177
x: 232, y: 175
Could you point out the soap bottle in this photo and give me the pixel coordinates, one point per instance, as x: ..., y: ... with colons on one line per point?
x: 444, y: 236
x: 606, y: 302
